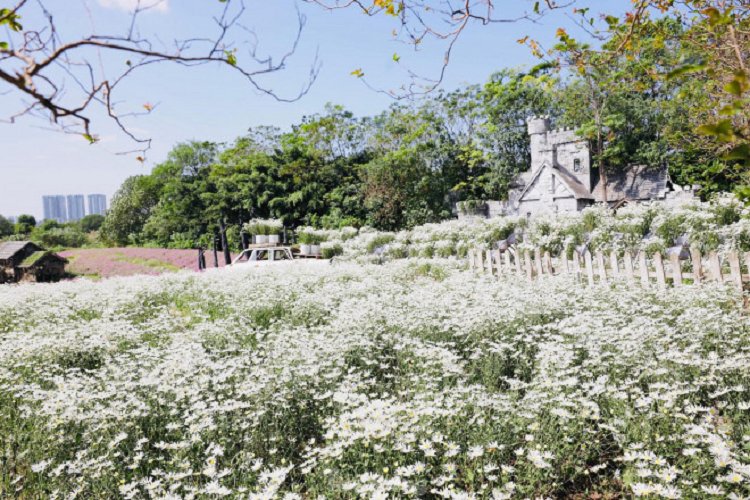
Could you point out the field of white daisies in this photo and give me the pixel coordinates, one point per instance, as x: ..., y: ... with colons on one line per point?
x: 413, y: 379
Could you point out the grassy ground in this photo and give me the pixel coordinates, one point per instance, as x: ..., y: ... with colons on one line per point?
x: 109, y: 262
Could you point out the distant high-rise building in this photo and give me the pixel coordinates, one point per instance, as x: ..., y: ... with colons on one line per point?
x: 54, y: 208
x: 76, y: 207
x: 97, y: 204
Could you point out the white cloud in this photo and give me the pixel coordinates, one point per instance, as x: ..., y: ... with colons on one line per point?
x: 130, y: 5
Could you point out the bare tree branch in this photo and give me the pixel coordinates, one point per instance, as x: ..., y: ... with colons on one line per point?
x: 437, y: 20
x: 36, y: 64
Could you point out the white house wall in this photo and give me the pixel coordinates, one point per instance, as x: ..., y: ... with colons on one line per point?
x: 547, y: 194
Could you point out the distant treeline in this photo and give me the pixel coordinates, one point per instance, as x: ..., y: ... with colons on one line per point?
x: 405, y: 166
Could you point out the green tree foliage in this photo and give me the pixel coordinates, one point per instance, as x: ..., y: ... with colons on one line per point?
x: 25, y: 224
x: 508, y: 99
x: 68, y: 236
x: 49, y: 224
x: 129, y: 210
x: 6, y: 227
x: 411, y: 163
x: 92, y: 222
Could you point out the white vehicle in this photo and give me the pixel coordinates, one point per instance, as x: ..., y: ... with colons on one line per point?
x: 268, y: 254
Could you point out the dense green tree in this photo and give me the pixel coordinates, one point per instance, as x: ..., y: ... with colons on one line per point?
x: 25, y: 224
x: 49, y: 224
x: 6, y: 227
x: 508, y: 99
x: 92, y: 222
x: 181, y: 180
x: 129, y: 210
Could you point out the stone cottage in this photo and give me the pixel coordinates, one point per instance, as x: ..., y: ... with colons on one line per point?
x: 561, y: 178
x: 27, y: 261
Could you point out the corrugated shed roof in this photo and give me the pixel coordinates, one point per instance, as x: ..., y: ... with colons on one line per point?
x: 636, y: 182
x: 10, y: 248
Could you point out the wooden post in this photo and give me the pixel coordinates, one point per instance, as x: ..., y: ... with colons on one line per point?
x: 695, y: 255
x: 614, y: 264
x: 506, y: 257
x: 643, y: 265
x: 499, y: 264
x: 589, y: 267
x: 715, y: 266
x: 538, y: 263
x: 489, y: 262
x: 628, y: 262
x: 529, y: 270
x: 577, y: 264
x: 480, y: 264
x: 564, y: 265
x: 519, y: 269
x: 602, y: 268
x: 547, y: 261
x: 661, y: 278
x: 674, y: 259
x: 471, y: 259
x: 736, y: 268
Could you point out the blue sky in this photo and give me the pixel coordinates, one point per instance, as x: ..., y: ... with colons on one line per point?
x: 214, y: 103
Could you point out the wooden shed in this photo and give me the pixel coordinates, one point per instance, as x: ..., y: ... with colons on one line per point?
x: 27, y: 261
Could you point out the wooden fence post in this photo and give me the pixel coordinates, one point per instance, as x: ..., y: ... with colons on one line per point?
x: 564, y: 264
x: 519, y: 269
x: 489, y: 262
x: 471, y: 259
x: 628, y: 263
x: 661, y: 278
x: 676, y: 269
x: 499, y: 264
x: 479, y: 262
x: 506, y: 257
x: 577, y: 264
x: 736, y: 268
x: 529, y: 269
x: 547, y: 261
x: 643, y: 265
x: 715, y: 266
x: 538, y: 263
x: 602, y: 268
x: 614, y: 264
x: 589, y: 267
x: 695, y: 255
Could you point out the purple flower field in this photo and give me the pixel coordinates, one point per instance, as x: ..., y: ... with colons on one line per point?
x: 109, y: 262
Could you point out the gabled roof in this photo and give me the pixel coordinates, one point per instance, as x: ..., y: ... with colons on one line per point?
x: 11, y: 248
x: 635, y: 182
x: 40, y: 257
x: 579, y: 190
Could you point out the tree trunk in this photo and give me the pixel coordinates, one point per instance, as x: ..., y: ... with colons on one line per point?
x: 224, y: 245
x: 602, y: 170
x: 216, y: 257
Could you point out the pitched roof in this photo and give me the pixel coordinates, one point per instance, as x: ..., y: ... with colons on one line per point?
x: 11, y: 248
x: 636, y: 182
x: 39, y: 257
x: 579, y: 190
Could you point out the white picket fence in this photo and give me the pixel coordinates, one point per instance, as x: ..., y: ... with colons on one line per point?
x: 598, y: 268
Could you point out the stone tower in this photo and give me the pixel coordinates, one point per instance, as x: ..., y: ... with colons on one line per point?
x: 561, y: 149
